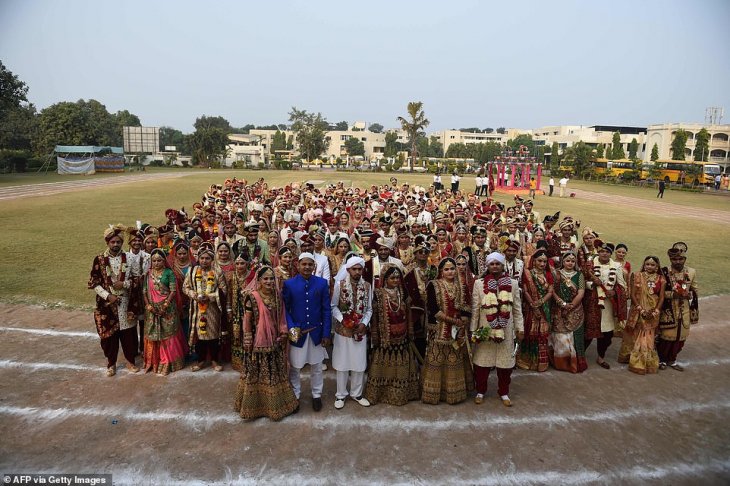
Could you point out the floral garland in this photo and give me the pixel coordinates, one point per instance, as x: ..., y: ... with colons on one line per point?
x: 679, y: 285
x: 608, y: 285
x: 203, y: 306
x: 497, y: 301
x: 352, y: 305
x: 122, y: 270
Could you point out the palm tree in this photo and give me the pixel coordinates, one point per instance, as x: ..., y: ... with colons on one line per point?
x: 415, y: 126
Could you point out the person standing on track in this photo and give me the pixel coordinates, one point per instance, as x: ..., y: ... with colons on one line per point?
x: 680, y: 309
x: 351, y: 312
x: 309, y: 319
x: 110, y: 278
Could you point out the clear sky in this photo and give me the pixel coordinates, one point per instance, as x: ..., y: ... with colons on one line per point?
x: 519, y: 64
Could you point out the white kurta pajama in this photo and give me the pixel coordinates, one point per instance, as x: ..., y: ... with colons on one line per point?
x: 349, y: 357
x: 490, y: 354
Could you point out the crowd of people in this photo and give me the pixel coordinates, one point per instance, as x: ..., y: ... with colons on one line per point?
x: 408, y: 292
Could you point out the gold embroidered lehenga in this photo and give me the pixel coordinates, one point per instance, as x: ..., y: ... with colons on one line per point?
x: 393, y: 377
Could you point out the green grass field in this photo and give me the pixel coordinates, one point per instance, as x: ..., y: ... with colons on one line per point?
x: 49, y: 242
x: 709, y: 200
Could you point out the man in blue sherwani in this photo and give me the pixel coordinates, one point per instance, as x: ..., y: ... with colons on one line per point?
x: 307, y: 300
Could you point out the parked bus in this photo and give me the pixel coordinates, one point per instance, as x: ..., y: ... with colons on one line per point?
x: 615, y: 167
x: 688, y: 172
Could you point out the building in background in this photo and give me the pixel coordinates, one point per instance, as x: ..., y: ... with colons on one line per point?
x: 663, y: 134
x: 450, y: 137
x: 595, y: 135
x: 245, y: 148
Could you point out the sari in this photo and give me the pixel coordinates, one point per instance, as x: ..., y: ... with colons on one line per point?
x: 164, y: 343
x: 533, y: 353
x: 264, y: 389
x: 640, y: 332
x: 567, y: 346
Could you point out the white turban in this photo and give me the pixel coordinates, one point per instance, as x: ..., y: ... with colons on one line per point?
x: 306, y: 254
x: 495, y: 256
x: 342, y: 272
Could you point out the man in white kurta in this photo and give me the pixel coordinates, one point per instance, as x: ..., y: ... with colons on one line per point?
x: 499, y: 349
x: 351, y: 313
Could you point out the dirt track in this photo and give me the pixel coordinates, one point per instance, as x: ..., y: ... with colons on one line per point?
x: 50, y: 188
x: 602, y: 427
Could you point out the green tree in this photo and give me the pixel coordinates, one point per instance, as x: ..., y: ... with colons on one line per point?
x: 311, y: 132
x: 342, y: 126
x: 290, y: 142
x: 278, y: 142
x: 617, y: 151
x: 208, y: 122
x: 414, y: 126
x: 522, y: 139
x: 63, y: 123
x: 702, y: 145
x: 457, y: 151
x: 484, y: 152
x: 655, y: 153
x: 123, y: 119
x: 354, y: 146
x: 391, y: 144
x: 13, y: 91
x: 679, y: 144
x: 579, y: 156
x: 208, y: 146
x: 633, y: 148
x: 501, y: 130
x: 171, y: 137
x: 18, y: 127
x: 599, y: 151
x: 435, y: 147
x: 488, y: 130
x: 376, y: 128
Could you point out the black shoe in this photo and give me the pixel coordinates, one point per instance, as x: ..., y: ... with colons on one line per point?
x: 316, y: 404
x: 296, y: 410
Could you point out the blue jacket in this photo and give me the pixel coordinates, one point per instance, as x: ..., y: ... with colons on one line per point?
x: 308, y: 306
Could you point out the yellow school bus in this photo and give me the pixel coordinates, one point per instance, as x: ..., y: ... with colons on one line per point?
x: 614, y: 167
x: 688, y: 172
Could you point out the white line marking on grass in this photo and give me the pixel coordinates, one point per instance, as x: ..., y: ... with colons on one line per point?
x: 453, y: 421
x: 51, y: 332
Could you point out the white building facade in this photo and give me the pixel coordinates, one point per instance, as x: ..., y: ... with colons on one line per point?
x: 662, y: 135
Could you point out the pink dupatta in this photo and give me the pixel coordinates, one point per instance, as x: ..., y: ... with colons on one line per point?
x: 268, y: 327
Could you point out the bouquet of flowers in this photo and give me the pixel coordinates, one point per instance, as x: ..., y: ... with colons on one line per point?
x: 350, y: 321
x: 680, y: 288
x: 481, y: 334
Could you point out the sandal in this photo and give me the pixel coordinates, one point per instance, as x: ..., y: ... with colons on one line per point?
x: 132, y: 368
x: 111, y: 371
x: 218, y: 367
x: 195, y: 367
x: 677, y: 367
x: 662, y: 366
x: 603, y: 365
